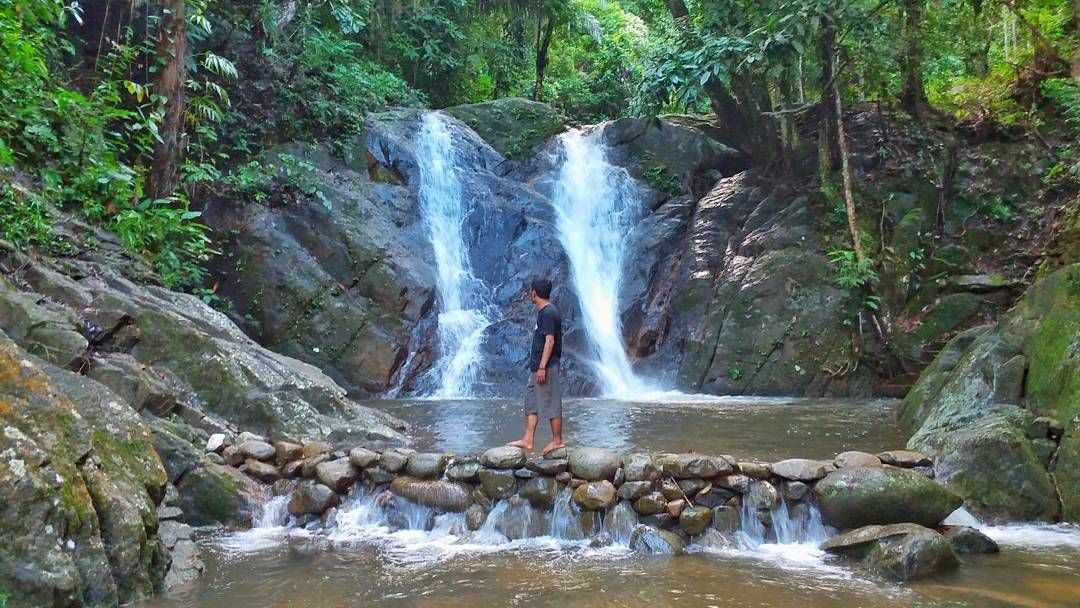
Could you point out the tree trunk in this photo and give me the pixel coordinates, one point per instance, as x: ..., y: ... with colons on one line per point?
x: 912, y: 93
x: 543, y: 43
x: 828, y: 145
x: 835, y: 111
x: 677, y: 8
x: 172, y: 50
x: 1074, y: 27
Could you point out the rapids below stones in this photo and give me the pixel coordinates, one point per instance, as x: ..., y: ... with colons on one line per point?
x: 410, y: 556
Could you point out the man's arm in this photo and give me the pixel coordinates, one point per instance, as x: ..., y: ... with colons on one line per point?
x: 549, y: 346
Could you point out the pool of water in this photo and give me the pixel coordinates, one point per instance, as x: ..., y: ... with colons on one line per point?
x: 745, y: 427
x: 362, y: 562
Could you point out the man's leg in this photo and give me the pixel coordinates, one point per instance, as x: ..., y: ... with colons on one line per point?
x: 526, y: 441
x: 556, y: 436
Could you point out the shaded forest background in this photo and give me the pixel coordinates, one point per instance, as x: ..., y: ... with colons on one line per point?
x: 127, y: 112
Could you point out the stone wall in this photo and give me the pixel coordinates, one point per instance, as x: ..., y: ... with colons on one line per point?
x: 889, y: 504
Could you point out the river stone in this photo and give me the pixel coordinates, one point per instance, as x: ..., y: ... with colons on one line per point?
x: 215, y: 458
x: 216, y: 443
x: 249, y: 436
x: 426, y: 465
x: 793, y: 490
x: 541, y: 492
x: 651, y: 504
x: 640, y: 467
x: 504, y: 457
x: 309, y: 466
x: 862, y: 496
x: 689, y: 466
x: 378, y: 475
x: 232, y: 456
x: 475, y: 516
x: 694, y: 520
x: 670, y: 489
x: 620, y: 521
x: 524, y: 473
x: 395, y: 459
x: 314, y: 448
x: 547, y: 466
x: 362, y: 457
x: 692, y: 486
x: 675, y: 507
x: 593, y: 464
x: 339, y: 475
x: 966, y: 540
x: 313, y: 498
x: 856, y: 459
x: 762, y: 495
x: 498, y: 483
x: 652, y: 541
x: 259, y: 450
x: 263, y: 471
x: 463, y: 470
x: 595, y: 495
x: 756, y: 470
x: 713, y: 497
x: 287, y: 451
x: 905, y: 458
x: 801, y: 469
x: 633, y: 490
x: 898, y: 551
x: 726, y: 519
x: 438, y: 494
x: 736, y: 482
x: 712, y: 538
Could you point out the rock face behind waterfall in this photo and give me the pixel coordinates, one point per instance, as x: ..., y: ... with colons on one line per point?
x: 1000, y: 408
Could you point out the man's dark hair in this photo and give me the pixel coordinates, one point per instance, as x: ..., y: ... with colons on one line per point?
x: 542, y: 287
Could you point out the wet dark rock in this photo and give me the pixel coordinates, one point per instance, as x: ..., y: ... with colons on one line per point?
x: 692, y: 486
x: 689, y: 466
x: 547, y: 466
x: 338, y: 475
x: 969, y: 541
x: 900, y: 551
x: 475, y: 516
x: 593, y: 464
x: 505, y: 457
x: 755, y: 470
x: 714, y: 497
x: 905, y: 458
x: 640, y: 467
x: 595, y: 495
x: 524, y: 473
x: 213, y: 494
x: 309, y: 466
x: 311, y: 497
x: 378, y: 475
x: 694, y: 520
x: 316, y: 448
x: 726, y: 520
x: 762, y: 495
x: 263, y: 471
x: 670, y: 489
x: 395, y: 459
x: 426, y: 466
x: 633, y: 490
x: 541, y: 492
x: 794, y: 490
x: 498, y: 483
x: 463, y: 470
x: 287, y: 451
x: 736, y: 482
x: 652, y: 541
x: 439, y: 494
x: 863, y: 496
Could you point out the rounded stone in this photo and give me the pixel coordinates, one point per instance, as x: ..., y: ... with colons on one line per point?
x: 689, y: 466
x: 640, y: 467
x: 969, y: 541
x: 438, y: 494
x: 339, y: 475
x: 594, y: 464
x: 504, y: 457
x: 652, y: 541
x: 762, y: 495
x: 595, y: 495
x: 475, y: 516
x: 756, y: 470
x: 856, y: 459
x: 794, y: 490
x: 362, y: 457
x: 651, y: 504
x: 547, y: 466
x: 801, y: 469
x: 905, y: 458
x: 463, y: 470
x: 694, y: 520
x: 313, y: 498
x: 263, y: 471
x: 498, y: 483
x: 692, y: 486
x: 258, y: 450
x: 861, y: 496
x: 426, y: 465
x: 633, y: 490
x: 315, y: 448
x: 308, y: 466
x: 395, y: 459
x: 675, y: 507
x: 736, y: 482
x: 287, y: 451
x: 726, y: 519
x: 541, y: 492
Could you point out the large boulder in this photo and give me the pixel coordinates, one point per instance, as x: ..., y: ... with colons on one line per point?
x: 504, y: 457
x: 541, y: 492
x: 975, y: 418
x: 218, y: 495
x: 595, y: 495
x: 593, y: 464
x: 339, y: 475
x: 439, y: 494
x: 312, y: 498
x: 900, y: 551
x: 861, y: 496
x: 512, y: 125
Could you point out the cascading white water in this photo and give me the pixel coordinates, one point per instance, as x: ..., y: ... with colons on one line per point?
x: 462, y: 301
x: 596, y: 205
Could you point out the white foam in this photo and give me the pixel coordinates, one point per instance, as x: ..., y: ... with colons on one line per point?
x: 1021, y: 535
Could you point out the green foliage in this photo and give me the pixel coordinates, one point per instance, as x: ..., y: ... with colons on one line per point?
x: 852, y: 273
x: 736, y: 373
x: 660, y: 178
x: 24, y: 218
x: 169, y: 236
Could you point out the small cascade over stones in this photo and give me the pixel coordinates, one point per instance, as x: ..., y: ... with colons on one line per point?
x: 275, y: 513
x: 596, y: 206
x: 796, y: 524
x: 464, y: 299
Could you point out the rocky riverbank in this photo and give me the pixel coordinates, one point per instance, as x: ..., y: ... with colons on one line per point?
x: 888, y: 505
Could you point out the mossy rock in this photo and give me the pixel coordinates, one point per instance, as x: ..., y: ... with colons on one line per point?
x: 512, y: 125
x: 218, y: 495
x: 948, y: 314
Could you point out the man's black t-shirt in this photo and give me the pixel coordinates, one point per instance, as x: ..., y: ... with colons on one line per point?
x: 548, y: 323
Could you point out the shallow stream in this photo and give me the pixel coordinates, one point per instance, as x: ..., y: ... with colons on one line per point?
x: 363, y: 562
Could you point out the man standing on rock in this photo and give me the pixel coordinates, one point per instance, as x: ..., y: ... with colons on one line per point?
x: 543, y: 398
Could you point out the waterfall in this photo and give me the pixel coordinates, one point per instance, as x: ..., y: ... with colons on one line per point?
x: 462, y: 296
x: 799, y: 524
x: 596, y: 206
x: 275, y: 513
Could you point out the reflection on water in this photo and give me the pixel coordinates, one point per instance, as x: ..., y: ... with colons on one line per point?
x: 364, y: 562
x: 746, y: 427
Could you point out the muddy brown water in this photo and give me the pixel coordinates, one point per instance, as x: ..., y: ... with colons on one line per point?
x: 1039, y: 566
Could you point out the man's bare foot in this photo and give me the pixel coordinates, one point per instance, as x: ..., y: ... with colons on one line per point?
x: 520, y: 443
x: 551, y: 447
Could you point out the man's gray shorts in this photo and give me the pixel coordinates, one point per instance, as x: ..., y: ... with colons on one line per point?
x: 544, y: 400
